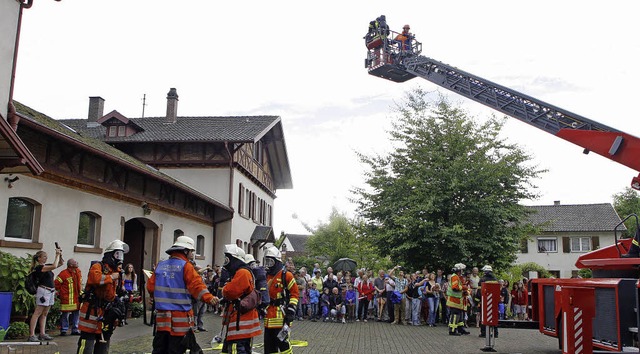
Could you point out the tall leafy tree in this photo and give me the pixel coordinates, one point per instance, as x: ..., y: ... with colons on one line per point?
x: 449, y: 191
x: 626, y: 203
x: 334, y: 239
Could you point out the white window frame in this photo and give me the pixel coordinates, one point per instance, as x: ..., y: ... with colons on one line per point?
x: 555, y: 239
x: 580, y: 249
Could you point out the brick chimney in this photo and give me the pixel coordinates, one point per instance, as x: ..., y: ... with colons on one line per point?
x: 172, y: 106
x: 96, y: 108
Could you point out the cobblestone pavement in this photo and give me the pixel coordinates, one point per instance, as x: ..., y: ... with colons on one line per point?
x: 353, y: 338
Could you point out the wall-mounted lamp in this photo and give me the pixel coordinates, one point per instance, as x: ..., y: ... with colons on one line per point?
x: 10, y: 180
x: 146, y: 209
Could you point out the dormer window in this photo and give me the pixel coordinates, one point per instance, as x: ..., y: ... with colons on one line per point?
x: 118, y: 125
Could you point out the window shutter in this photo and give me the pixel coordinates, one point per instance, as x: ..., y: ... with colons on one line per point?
x: 595, y: 242
x: 241, y: 199
x: 524, y: 246
x: 566, y: 244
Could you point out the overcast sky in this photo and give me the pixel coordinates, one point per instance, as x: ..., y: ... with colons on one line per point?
x: 304, y: 61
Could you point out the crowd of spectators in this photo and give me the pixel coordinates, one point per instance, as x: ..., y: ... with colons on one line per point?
x: 414, y: 298
x: 395, y: 296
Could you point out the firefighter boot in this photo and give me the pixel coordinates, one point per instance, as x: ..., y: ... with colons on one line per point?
x: 453, y: 326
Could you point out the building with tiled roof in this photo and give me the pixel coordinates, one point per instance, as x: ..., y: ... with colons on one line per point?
x: 567, y: 231
x: 145, y: 181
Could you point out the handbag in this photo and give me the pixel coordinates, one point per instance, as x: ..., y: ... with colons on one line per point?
x: 250, y: 301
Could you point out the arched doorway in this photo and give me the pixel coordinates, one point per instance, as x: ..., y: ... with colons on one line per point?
x: 142, y: 236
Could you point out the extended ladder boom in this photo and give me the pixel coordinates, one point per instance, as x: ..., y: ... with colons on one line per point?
x: 515, y: 104
x: 388, y: 62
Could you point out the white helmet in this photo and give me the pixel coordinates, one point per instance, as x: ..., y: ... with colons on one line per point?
x: 273, y: 252
x: 459, y: 266
x: 119, y: 249
x: 182, y: 243
x: 249, y: 259
x: 487, y: 268
x: 235, y: 252
x: 271, y: 255
x: 117, y: 245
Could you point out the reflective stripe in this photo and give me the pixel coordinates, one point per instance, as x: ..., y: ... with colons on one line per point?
x: 233, y: 332
x: 245, y: 323
x: 102, y: 279
x: 204, y: 291
x: 177, y: 323
x: 173, y: 301
x: 171, y: 290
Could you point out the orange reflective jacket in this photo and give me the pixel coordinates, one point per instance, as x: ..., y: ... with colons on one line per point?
x: 68, y: 285
x: 249, y: 324
x: 105, y: 291
x: 454, y: 292
x: 275, y: 317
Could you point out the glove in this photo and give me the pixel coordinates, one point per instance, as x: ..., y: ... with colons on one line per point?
x: 291, y: 313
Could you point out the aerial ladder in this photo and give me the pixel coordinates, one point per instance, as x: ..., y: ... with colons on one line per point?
x: 389, y: 59
x: 556, y: 303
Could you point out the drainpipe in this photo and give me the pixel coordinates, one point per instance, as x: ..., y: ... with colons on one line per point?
x: 230, y: 152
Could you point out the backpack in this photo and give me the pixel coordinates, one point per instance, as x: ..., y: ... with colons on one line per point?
x: 31, y: 283
x: 396, y: 297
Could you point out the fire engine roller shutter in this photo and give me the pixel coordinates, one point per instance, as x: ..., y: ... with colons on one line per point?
x: 605, y: 327
x: 549, y: 307
x: 609, y: 307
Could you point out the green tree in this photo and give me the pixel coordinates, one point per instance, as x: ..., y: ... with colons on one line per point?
x: 333, y: 240
x: 449, y: 192
x: 626, y: 203
x: 341, y: 237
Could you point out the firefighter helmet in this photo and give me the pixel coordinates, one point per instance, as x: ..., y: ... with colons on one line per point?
x: 235, y: 252
x: 249, y: 259
x: 117, y: 245
x: 182, y: 243
x: 273, y: 252
x: 487, y: 268
x: 459, y: 266
x: 271, y: 257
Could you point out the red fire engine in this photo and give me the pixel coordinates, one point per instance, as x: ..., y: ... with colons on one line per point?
x: 603, y: 308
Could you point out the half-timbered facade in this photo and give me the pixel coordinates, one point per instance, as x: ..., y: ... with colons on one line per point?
x: 145, y: 181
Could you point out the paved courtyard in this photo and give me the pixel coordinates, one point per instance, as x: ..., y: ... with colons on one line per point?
x: 353, y: 338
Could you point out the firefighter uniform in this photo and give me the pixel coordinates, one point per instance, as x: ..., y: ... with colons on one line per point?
x: 240, y: 327
x: 92, y: 328
x: 455, y: 302
x: 275, y: 318
x: 68, y: 284
x: 172, y: 285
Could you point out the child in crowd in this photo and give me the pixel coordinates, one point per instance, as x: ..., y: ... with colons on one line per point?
x: 324, y: 303
x: 350, y: 301
x: 501, y: 312
x: 314, y: 299
x: 304, y: 301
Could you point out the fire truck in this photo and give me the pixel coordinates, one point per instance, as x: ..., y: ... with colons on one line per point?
x: 595, y: 314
